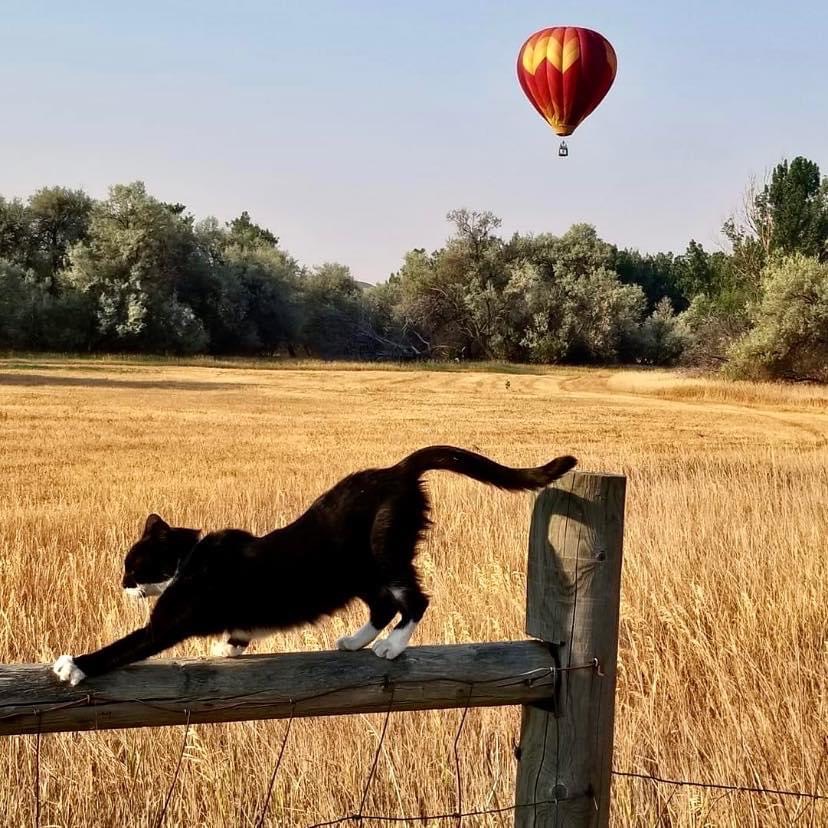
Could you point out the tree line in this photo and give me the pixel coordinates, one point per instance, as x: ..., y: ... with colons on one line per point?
x: 133, y: 273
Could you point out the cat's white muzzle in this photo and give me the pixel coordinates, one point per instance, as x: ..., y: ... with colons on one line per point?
x: 147, y: 590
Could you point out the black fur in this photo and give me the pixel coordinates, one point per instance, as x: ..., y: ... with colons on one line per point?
x: 155, y: 558
x: 358, y: 540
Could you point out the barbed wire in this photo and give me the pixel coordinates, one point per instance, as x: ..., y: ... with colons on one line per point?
x: 455, y: 815
x: 721, y: 786
x: 37, y: 774
x: 163, y: 812
x: 276, y: 767
x: 547, y: 675
x: 377, y: 752
x: 455, y: 750
x: 458, y: 814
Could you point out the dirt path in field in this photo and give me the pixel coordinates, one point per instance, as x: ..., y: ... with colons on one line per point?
x: 799, y: 420
x: 806, y: 427
x: 809, y: 428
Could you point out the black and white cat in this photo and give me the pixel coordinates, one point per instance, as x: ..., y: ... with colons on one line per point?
x: 358, y: 540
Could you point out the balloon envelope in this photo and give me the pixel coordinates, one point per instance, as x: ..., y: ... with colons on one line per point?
x: 565, y: 72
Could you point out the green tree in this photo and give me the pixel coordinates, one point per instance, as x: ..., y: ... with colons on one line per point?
x: 787, y: 214
x: 384, y: 330
x: 796, y: 204
x: 58, y: 218
x: 656, y: 273
x: 32, y: 317
x: 661, y: 338
x: 13, y: 300
x: 568, y: 304
x: 591, y: 317
x: 431, y: 304
x: 451, y: 301
x: 333, y: 311
x: 695, y: 271
x: 15, y: 232
x: 475, y: 230
x: 245, y: 234
x: 138, y: 257
x: 789, y: 337
x: 260, y: 305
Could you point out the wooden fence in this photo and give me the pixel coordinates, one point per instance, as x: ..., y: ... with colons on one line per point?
x: 564, y: 678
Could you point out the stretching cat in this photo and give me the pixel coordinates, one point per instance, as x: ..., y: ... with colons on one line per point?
x: 358, y: 540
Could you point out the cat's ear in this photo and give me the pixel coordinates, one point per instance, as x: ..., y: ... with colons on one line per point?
x: 155, y: 525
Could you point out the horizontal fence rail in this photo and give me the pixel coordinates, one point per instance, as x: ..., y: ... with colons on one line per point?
x: 290, y: 685
x: 564, y: 680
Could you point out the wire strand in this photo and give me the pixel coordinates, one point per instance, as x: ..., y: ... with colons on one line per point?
x: 168, y: 799
x: 440, y: 816
x: 37, y: 774
x: 377, y: 752
x: 456, y: 751
x: 266, y: 802
x: 720, y: 786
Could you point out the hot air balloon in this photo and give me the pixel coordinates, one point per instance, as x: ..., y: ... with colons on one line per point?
x: 565, y: 72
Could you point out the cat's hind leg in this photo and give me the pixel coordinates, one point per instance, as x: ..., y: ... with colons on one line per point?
x: 383, y: 608
x: 232, y: 644
x: 398, y: 527
x: 413, y: 603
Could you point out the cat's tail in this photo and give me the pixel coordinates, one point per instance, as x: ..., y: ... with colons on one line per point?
x: 460, y: 461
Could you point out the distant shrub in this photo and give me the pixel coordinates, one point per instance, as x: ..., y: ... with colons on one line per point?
x: 662, y: 337
x: 710, y: 326
x: 789, y: 337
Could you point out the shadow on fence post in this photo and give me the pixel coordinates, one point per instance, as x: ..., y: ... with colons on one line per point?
x: 572, y: 602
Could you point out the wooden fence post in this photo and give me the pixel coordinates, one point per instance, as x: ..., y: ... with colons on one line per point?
x: 572, y: 603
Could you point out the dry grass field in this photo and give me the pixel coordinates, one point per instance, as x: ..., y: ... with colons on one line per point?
x: 722, y: 674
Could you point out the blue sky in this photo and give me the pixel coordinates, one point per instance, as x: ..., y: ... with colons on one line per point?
x: 350, y: 128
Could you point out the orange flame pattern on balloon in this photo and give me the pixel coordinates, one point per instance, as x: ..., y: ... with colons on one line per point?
x: 565, y: 72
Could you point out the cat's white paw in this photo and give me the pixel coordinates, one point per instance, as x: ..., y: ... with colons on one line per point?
x: 224, y: 649
x: 362, y: 637
x: 388, y: 647
x: 396, y: 641
x: 350, y: 643
x: 66, y: 670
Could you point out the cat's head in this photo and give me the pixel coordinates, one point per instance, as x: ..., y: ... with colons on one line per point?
x: 153, y: 560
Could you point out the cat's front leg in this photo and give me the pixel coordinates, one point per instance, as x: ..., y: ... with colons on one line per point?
x: 361, y: 638
x: 66, y: 670
x: 74, y: 669
x: 232, y: 645
x: 136, y: 646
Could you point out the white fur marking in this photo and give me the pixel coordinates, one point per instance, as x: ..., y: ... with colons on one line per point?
x: 66, y: 670
x: 362, y: 637
x: 157, y: 588
x: 224, y: 649
x: 395, y: 642
x: 146, y: 590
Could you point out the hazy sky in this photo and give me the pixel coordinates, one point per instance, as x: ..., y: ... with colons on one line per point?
x: 350, y: 128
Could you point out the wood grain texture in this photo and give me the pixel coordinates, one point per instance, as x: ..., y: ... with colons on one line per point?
x: 572, y: 601
x: 167, y: 692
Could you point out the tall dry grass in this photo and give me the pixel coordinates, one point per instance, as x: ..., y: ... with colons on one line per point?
x: 725, y: 595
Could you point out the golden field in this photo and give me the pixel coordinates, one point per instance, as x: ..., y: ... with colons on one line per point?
x: 724, y: 620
